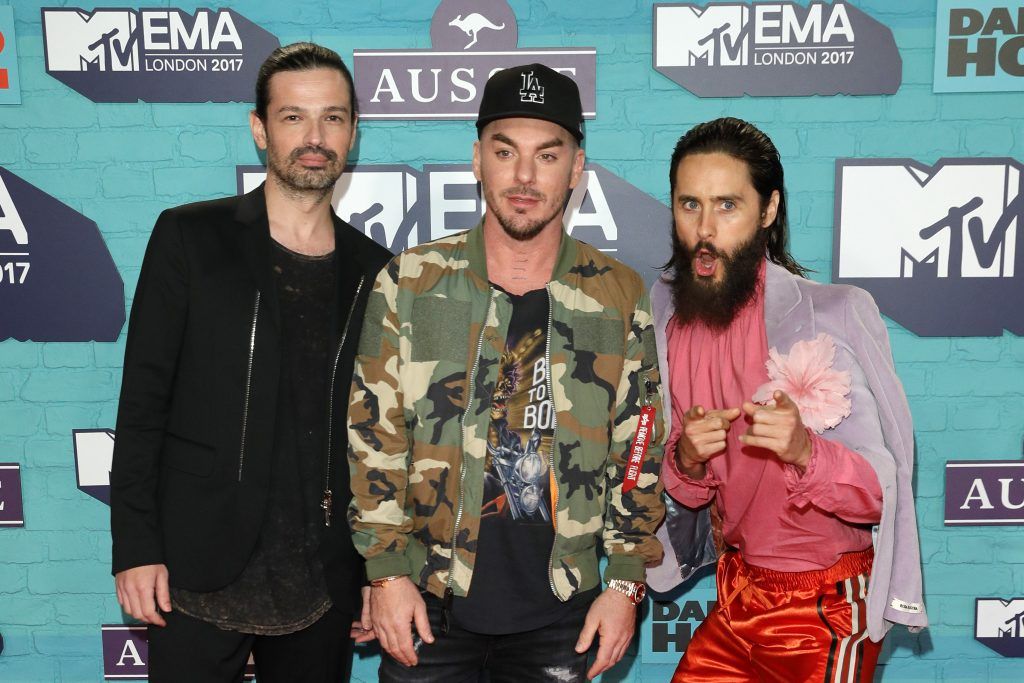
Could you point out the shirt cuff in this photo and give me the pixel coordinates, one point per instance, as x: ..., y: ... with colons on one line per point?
x: 693, y: 493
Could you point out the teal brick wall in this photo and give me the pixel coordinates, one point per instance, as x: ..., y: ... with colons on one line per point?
x: 121, y: 164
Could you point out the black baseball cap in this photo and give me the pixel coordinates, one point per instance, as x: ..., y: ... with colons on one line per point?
x: 532, y: 91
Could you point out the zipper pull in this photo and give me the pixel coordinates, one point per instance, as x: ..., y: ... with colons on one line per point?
x: 446, y: 610
x: 326, y: 504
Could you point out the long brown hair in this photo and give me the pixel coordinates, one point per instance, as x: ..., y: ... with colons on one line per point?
x: 745, y: 142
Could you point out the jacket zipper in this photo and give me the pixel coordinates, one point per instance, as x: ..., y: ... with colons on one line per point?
x: 448, y: 593
x: 328, y: 499
x: 554, y: 441
x: 248, y: 384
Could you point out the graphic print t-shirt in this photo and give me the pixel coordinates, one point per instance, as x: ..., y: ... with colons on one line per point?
x: 510, y: 591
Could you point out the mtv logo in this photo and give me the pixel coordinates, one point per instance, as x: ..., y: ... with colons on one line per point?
x: 94, y: 454
x: 927, y: 239
x: 689, y: 35
x: 400, y: 207
x: 101, y: 40
x: 381, y: 201
x: 999, y: 625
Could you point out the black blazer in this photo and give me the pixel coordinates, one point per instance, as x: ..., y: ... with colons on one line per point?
x: 196, y: 420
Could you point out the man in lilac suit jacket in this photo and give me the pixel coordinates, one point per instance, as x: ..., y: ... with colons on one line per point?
x: 727, y: 184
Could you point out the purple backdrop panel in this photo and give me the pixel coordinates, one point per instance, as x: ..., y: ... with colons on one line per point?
x: 12, y: 509
x: 984, y: 492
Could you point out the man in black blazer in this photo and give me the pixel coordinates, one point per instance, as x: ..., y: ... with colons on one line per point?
x: 230, y: 480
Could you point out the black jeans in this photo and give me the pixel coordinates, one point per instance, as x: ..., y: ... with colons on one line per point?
x: 191, y: 650
x: 460, y: 656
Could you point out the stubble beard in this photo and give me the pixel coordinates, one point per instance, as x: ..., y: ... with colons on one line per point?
x: 699, y: 299
x: 524, y: 230
x: 296, y: 180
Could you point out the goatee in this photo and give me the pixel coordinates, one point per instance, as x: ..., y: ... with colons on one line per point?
x: 295, y: 178
x: 715, y: 304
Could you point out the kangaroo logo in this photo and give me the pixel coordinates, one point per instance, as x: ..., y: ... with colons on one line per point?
x: 472, y: 25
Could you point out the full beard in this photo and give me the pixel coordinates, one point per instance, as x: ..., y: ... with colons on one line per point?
x: 519, y: 228
x: 296, y: 179
x: 715, y: 304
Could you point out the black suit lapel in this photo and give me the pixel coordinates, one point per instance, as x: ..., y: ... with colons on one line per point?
x: 255, y: 245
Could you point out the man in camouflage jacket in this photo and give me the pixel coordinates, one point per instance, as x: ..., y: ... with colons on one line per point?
x: 422, y: 403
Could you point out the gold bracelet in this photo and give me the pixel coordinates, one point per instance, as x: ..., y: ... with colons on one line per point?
x: 385, y: 580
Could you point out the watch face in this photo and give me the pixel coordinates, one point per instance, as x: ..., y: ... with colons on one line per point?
x: 641, y: 591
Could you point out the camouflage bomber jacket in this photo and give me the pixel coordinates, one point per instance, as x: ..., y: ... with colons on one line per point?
x: 435, y: 326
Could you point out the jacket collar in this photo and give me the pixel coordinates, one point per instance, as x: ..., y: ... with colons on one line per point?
x: 477, y: 254
x: 353, y: 260
x: 251, y: 213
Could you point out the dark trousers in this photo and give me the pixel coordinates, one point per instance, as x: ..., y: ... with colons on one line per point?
x: 460, y: 656
x: 188, y: 649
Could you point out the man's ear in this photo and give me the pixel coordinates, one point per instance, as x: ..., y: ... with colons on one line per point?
x: 355, y: 132
x: 476, y: 160
x: 259, y: 130
x: 771, y: 210
x: 578, y: 162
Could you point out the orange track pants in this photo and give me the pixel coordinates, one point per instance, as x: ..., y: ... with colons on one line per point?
x: 785, y: 627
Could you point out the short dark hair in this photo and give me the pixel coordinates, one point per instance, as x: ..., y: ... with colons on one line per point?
x: 300, y: 57
x: 745, y: 142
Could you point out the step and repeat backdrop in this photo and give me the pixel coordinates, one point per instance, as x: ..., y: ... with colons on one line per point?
x: 901, y: 126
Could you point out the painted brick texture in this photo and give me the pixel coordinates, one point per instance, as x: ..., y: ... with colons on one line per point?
x: 121, y: 164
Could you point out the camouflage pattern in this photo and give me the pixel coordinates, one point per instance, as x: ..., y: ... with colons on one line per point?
x: 432, y: 339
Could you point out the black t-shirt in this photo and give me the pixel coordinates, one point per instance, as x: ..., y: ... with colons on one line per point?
x: 511, y: 587
x: 282, y: 588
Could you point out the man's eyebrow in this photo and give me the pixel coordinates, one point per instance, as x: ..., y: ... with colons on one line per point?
x: 297, y: 109
x: 501, y: 137
x: 553, y: 142
x: 717, y: 198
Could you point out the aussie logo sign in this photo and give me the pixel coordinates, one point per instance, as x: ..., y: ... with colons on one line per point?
x: 155, y: 55
x: 927, y: 240
x: 979, y: 46
x: 126, y: 653
x: 999, y: 625
x: 12, y: 510
x: 401, y: 207
x: 471, y: 39
x: 775, y: 49
x: 57, y: 280
x: 94, y: 454
x: 10, y: 90
x: 985, y: 492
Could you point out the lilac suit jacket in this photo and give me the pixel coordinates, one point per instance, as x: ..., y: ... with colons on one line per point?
x: 878, y: 428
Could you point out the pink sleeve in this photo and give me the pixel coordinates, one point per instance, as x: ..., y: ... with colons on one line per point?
x: 692, y: 493
x: 837, y: 480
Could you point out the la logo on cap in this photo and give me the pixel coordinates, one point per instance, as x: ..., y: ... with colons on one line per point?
x: 532, y: 90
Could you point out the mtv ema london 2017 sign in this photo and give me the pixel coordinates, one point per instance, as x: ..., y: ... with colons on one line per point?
x: 57, y: 279
x: 400, y: 207
x: 775, y: 49
x: 470, y: 40
x: 155, y: 55
x: 927, y: 240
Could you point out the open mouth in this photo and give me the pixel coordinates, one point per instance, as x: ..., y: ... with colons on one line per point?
x: 705, y: 263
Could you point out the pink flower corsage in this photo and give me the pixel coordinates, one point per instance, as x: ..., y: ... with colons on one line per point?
x: 807, y: 376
